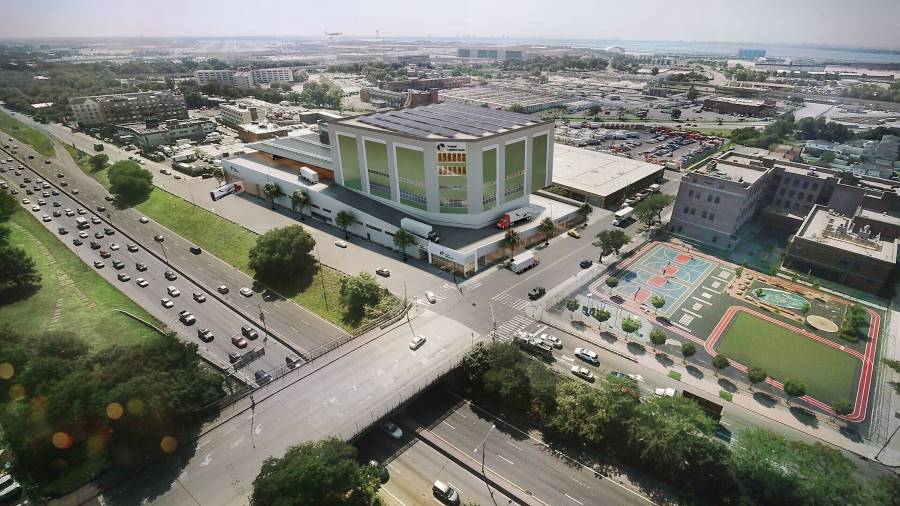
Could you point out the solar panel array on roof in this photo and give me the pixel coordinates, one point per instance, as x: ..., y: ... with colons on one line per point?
x: 447, y: 120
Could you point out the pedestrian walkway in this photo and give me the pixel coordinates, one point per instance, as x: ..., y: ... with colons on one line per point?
x: 508, y: 329
x: 510, y: 300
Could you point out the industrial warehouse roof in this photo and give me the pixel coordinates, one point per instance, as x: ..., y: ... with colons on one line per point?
x: 444, y: 121
x: 597, y: 173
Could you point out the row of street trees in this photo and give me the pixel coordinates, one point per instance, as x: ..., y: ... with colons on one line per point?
x: 19, y: 276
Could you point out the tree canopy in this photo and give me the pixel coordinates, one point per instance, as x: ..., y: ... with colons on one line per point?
x: 649, y: 210
x: 316, y: 473
x: 611, y: 241
x: 322, y: 93
x: 282, y: 256
x: 129, y: 182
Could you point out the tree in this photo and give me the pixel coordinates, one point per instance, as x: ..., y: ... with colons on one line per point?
x: 794, y: 388
x: 360, y: 292
x: 299, y: 200
x: 98, y: 162
x: 516, y: 108
x: 129, y: 182
x: 314, y: 473
x: 584, y: 211
x: 756, y: 375
x: 688, y: 349
x: 630, y: 325
x: 18, y: 271
x: 322, y: 93
x: 649, y: 211
x: 654, y: 71
x: 692, y: 93
x: 8, y: 206
x: 602, y: 315
x: 282, y: 257
x: 676, y: 113
x: 658, y: 302
x: 720, y: 362
x: 612, y: 282
x: 403, y: 239
x: 842, y: 407
x: 547, y: 227
x: 301, y: 76
x: 611, y: 241
x: 346, y: 218
x: 770, y: 469
x: 510, y: 240
x: 272, y: 191
x: 658, y: 337
x: 218, y: 174
x: 594, y: 110
x: 592, y: 415
x: 572, y: 305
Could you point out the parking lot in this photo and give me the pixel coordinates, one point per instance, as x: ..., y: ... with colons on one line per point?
x: 657, y: 145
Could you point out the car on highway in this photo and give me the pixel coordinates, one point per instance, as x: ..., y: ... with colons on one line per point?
x: 537, y: 292
x: 551, y: 340
x: 95, y: 245
x: 199, y: 297
x: 108, y: 231
x: 80, y: 211
x: 83, y: 235
x: 35, y: 208
x: 186, y: 317
x: 166, y: 302
x: 159, y: 238
x: 143, y: 219
x: 249, y: 332
x: 222, y: 289
x: 55, y: 203
x: 140, y: 266
x: 171, y: 276
x: 291, y: 361
x: 77, y: 242
x: 445, y: 493
x: 42, y: 202
x: 69, y: 212
x: 381, y: 271
x: 101, y: 209
x: 118, y: 264
x: 105, y: 254
x: 113, y: 246
x: 141, y: 282
x: 99, y: 264
x: 63, y: 230
x: 583, y: 373
x: 341, y: 244
x: 26, y: 201
x: 109, y: 198
x: 56, y: 214
x: 172, y: 291
x: 98, y: 235
x: 205, y: 335
x: 430, y: 297
x: 123, y: 277
x: 95, y: 220
x: 262, y: 377
x: 584, y: 264
x: 587, y: 355
x: 239, y: 341
x: 416, y: 342
x: 132, y: 248
x: 246, y: 292
x: 195, y: 250
x: 574, y: 233
x: 391, y: 429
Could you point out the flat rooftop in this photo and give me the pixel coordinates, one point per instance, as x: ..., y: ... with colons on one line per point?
x: 306, y: 146
x: 262, y: 128
x: 444, y: 121
x: 822, y: 226
x: 597, y: 173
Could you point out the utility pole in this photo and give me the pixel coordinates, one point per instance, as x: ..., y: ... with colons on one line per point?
x: 483, y: 443
x: 262, y: 318
x: 494, y: 322
x: 322, y: 277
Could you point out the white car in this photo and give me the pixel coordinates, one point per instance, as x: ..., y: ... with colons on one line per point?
x: 582, y: 373
x: 636, y: 377
x: 587, y: 355
x: 341, y: 244
x: 416, y: 342
x: 141, y: 282
x: 391, y: 429
x: 665, y: 392
x: 35, y: 208
x: 429, y: 296
x: 46, y: 218
x: 166, y: 302
x: 552, y: 340
x: 113, y: 246
x: 143, y: 219
x: 172, y: 291
x: 246, y: 292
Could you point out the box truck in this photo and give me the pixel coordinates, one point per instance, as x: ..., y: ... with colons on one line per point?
x: 523, y: 261
x: 420, y: 229
x: 622, y: 215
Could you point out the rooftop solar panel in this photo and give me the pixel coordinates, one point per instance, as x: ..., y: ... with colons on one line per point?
x: 447, y: 120
x: 453, y: 123
x: 369, y: 120
x: 484, y: 114
x: 410, y: 122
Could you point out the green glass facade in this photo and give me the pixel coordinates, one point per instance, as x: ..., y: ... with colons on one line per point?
x: 411, y: 172
x: 538, y: 162
x: 489, y: 177
x: 350, y: 162
x: 514, y: 171
x: 377, y: 169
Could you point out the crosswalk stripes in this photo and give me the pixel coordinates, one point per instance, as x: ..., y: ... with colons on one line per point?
x: 508, y: 329
x: 510, y: 300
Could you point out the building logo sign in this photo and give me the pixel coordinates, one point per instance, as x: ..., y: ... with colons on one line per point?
x: 226, y: 190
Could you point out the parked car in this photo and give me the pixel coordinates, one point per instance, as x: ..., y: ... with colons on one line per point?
x: 239, y: 341
x: 391, y: 429
x: 583, y: 373
x: 587, y: 355
x: 552, y: 340
x: 381, y: 271
x: 262, y: 377
x: 249, y: 332
x: 205, y: 335
x: 416, y: 342
x: 246, y: 292
x: 429, y: 296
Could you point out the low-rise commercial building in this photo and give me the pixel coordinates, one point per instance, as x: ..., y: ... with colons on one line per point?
x: 150, y: 134
x: 503, y: 98
x: 441, y: 83
x: 745, y: 106
x: 240, y: 114
x: 601, y: 179
x: 258, y: 131
x: 116, y: 109
x: 398, y: 99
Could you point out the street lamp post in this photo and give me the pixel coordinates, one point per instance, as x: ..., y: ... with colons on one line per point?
x: 483, y: 443
x: 262, y: 318
x: 322, y: 277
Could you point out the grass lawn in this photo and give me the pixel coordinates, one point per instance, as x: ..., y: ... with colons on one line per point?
x: 829, y: 374
x: 226, y: 240
x: 71, y: 293
x: 34, y: 138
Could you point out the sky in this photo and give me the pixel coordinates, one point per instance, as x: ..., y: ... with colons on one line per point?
x: 863, y: 23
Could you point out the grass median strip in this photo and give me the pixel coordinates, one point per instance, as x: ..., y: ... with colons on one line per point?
x: 24, y: 133
x: 72, y: 296
x: 226, y: 240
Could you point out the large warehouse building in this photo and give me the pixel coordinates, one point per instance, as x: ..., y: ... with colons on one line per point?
x: 452, y: 168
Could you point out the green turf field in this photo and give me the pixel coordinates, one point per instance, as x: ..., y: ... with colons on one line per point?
x: 25, y: 134
x: 829, y: 374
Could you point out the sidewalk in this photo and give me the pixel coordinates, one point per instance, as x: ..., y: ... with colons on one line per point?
x: 825, y: 430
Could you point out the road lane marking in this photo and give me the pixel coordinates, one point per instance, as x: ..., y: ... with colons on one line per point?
x: 258, y: 429
x: 393, y: 496
x: 576, y: 500
x: 514, y: 446
x: 292, y: 328
x: 236, y: 443
x: 568, y: 358
x: 506, y: 459
x: 448, y: 425
x: 476, y: 285
x: 206, y: 460
x: 304, y: 322
x: 578, y: 482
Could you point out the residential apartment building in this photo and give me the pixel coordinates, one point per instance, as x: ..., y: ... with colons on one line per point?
x: 123, y: 108
x: 240, y: 114
x: 491, y: 53
x: 244, y: 78
x: 153, y: 133
x: 204, y: 77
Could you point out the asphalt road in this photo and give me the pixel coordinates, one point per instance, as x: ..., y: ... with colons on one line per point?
x: 211, y: 314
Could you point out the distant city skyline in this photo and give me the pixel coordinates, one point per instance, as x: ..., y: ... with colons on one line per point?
x: 864, y: 23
